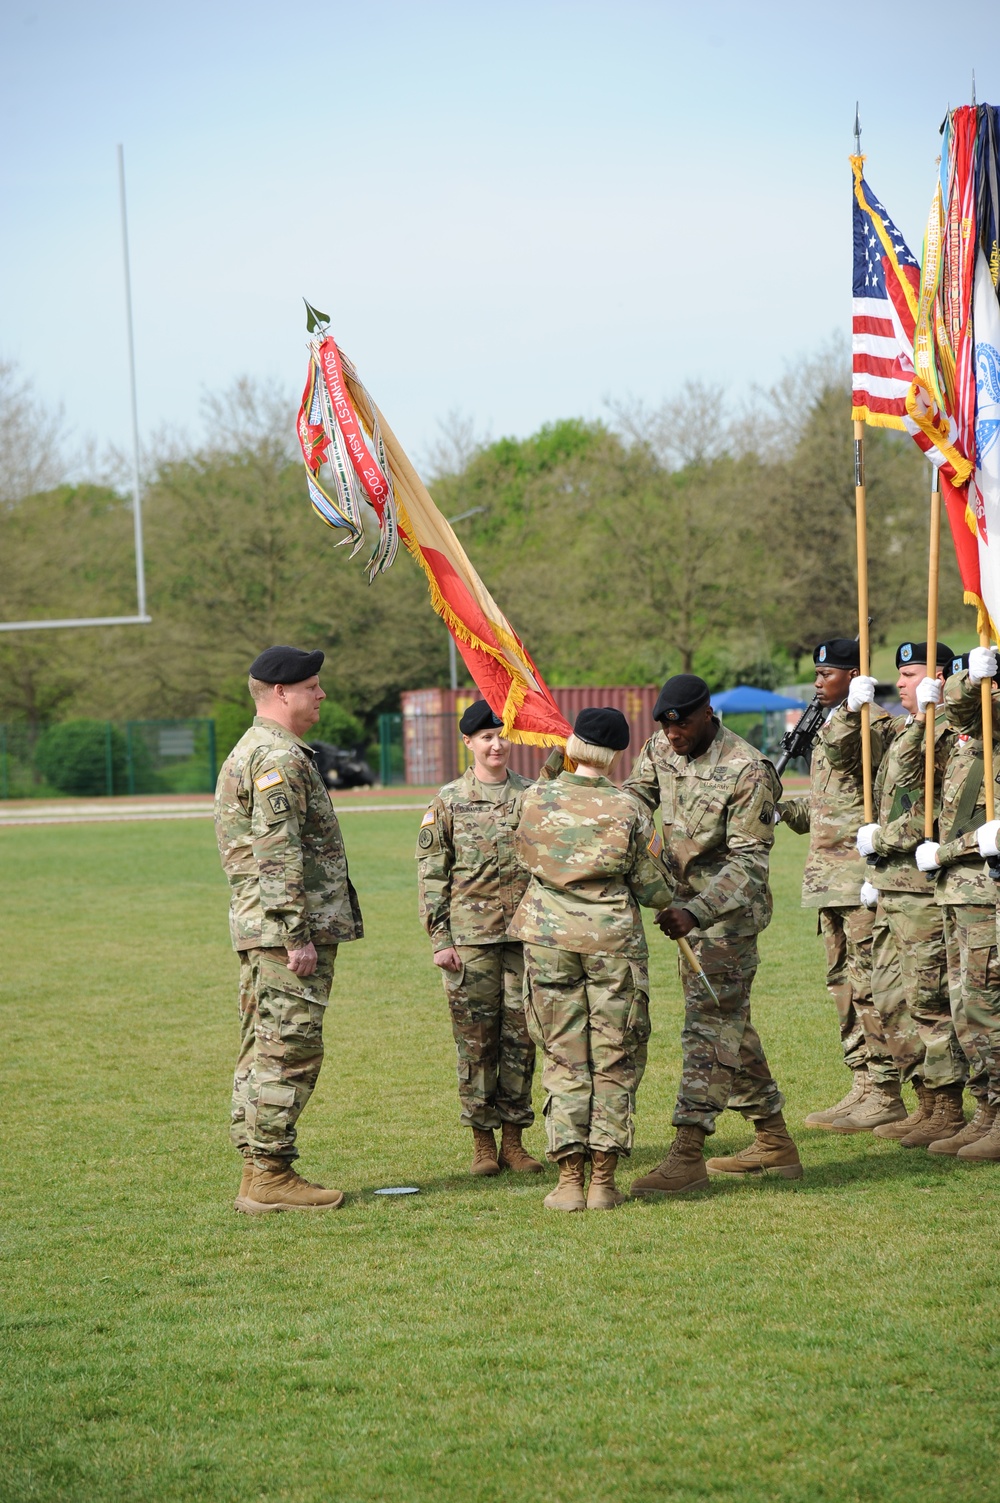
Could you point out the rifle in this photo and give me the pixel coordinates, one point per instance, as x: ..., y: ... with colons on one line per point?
x: 798, y: 741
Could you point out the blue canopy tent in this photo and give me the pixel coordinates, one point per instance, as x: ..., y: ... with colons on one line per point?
x: 746, y: 700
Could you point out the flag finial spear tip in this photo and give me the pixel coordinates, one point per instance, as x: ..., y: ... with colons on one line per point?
x: 973, y: 88
x: 316, y: 322
x: 857, y: 128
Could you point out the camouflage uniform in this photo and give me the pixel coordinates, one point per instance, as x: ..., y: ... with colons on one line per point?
x: 832, y: 881
x: 593, y: 855
x: 283, y: 854
x: 718, y: 813
x: 470, y: 883
x: 910, y: 971
x: 967, y: 892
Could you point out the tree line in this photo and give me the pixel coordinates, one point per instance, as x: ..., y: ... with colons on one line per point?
x: 681, y: 538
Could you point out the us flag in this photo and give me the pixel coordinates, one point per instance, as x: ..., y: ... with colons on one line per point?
x: 886, y: 290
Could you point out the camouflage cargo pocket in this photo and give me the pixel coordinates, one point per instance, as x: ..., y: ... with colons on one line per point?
x: 637, y: 1025
x: 981, y: 968
x: 271, y: 1109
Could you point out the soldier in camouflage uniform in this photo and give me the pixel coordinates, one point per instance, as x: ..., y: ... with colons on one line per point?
x: 470, y: 883
x: 834, y: 873
x: 717, y: 797
x: 593, y: 855
x: 909, y: 979
x: 967, y: 892
x: 291, y: 905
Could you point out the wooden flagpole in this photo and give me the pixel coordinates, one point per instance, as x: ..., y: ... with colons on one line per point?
x: 861, y: 521
x: 933, y: 574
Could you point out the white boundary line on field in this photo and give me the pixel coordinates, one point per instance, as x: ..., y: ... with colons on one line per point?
x: 15, y: 822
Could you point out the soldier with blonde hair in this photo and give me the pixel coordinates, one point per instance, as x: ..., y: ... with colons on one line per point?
x: 470, y: 883
x: 594, y: 856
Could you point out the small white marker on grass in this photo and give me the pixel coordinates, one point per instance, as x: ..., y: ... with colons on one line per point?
x: 398, y: 1190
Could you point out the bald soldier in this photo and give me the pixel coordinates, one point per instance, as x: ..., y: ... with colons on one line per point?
x: 834, y: 874
x: 716, y: 794
x: 291, y: 905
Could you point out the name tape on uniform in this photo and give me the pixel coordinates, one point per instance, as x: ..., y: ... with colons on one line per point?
x: 268, y: 780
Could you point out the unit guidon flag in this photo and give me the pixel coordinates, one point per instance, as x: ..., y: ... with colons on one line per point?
x: 371, y: 481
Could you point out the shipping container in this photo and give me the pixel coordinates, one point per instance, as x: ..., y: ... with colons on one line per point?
x: 434, y: 752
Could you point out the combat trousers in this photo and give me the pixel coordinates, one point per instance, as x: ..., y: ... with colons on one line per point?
x: 495, y: 1056
x: 847, y: 936
x: 723, y: 1060
x: 910, y: 989
x: 974, y: 980
x: 281, y: 1048
x: 589, y: 1014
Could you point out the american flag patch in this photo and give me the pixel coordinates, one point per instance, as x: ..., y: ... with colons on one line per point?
x: 268, y: 780
x: 428, y: 818
x: 655, y: 846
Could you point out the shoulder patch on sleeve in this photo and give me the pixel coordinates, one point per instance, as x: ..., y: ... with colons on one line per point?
x: 269, y: 779
x: 429, y: 818
x: 655, y: 845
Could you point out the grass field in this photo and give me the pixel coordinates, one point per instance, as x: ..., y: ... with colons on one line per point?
x: 833, y: 1340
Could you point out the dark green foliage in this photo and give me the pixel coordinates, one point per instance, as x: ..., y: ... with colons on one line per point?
x: 613, y: 564
x: 77, y: 757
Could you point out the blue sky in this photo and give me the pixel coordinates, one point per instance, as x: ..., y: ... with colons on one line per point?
x: 512, y: 209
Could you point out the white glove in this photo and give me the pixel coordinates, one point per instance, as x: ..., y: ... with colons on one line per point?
x: 986, y: 836
x: 865, y: 840
x: 928, y: 693
x: 860, y: 692
x: 869, y: 895
x: 982, y: 664
x: 926, y: 855
x: 776, y: 816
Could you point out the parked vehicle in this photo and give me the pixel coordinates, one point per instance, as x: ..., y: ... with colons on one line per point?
x: 342, y: 769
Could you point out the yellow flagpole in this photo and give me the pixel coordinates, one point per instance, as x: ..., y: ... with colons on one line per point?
x: 861, y: 521
x: 933, y: 573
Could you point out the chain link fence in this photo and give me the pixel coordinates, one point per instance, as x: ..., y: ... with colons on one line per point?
x: 102, y: 758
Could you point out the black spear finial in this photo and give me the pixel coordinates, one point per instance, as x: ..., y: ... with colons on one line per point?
x: 973, y: 88
x: 857, y: 129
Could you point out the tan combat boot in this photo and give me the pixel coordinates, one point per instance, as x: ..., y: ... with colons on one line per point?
x: 860, y: 1087
x: 947, y: 1119
x: 512, y: 1153
x: 971, y: 1133
x: 986, y: 1150
x: 603, y: 1195
x: 771, y: 1152
x: 275, y: 1186
x: 882, y: 1104
x: 244, y: 1189
x: 484, y: 1155
x: 568, y: 1194
x: 683, y: 1169
x: 923, y: 1113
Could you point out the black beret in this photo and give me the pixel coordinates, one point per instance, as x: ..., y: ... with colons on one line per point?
x: 838, y: 652
x: 285, y: 665
x: 957, y: 664
x: 916, y: 652
x: 681, y: 695
x: 479, y: 717
x: 603, y: 727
